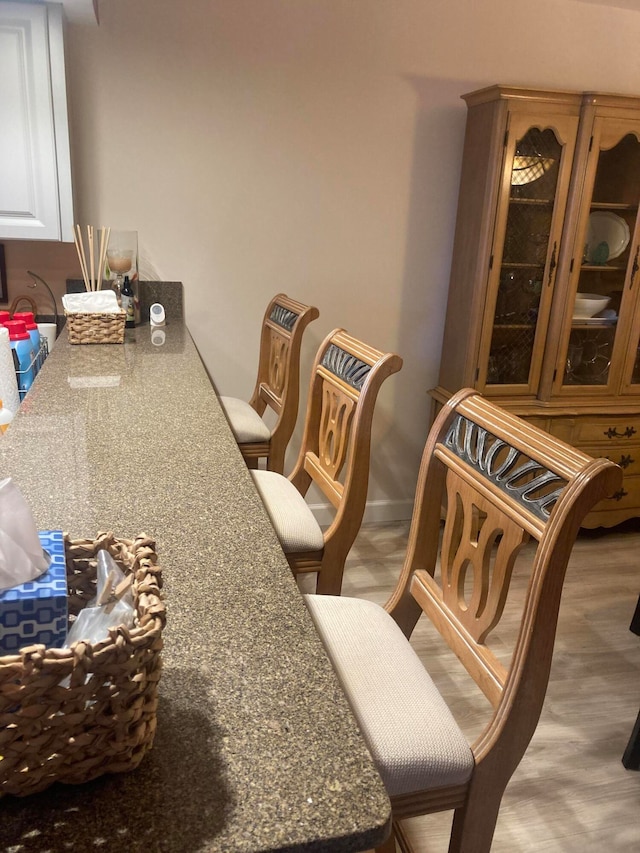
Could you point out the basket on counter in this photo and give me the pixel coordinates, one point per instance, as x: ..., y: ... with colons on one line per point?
x: 95, y: 328
x: 71, y: 715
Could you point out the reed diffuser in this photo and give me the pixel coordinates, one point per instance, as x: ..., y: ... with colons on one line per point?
x: 96, y: 251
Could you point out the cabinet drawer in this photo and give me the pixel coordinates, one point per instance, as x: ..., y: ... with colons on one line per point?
x: 624, y: 505
x: 627, y: 497
x: 617, y: 428
x: 562, y: 428
x: 627, y: 456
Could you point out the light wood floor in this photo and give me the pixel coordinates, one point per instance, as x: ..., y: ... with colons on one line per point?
x: 571, y: 792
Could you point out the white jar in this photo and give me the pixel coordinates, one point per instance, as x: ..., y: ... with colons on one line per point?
x: 6, y: 416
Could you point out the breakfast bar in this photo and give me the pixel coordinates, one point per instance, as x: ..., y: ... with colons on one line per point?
x: 256, y: 747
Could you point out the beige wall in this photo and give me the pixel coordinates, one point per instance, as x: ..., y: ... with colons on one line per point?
x: 313, y: 146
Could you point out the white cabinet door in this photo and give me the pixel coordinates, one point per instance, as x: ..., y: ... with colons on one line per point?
x: 35, y: 174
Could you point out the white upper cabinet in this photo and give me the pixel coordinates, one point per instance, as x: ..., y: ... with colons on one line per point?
x: 35, y: 167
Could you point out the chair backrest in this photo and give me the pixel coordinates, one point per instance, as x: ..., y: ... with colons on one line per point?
x: 503, y: 482
x: 278, y: 381
x: 335, y: 451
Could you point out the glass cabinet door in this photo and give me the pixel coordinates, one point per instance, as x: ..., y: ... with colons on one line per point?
x: 632, y: 371
x: 604, y: 280
x: 530, y: 212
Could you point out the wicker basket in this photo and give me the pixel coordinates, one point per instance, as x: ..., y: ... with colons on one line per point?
x: 103, y: 718
x: 93, y: 328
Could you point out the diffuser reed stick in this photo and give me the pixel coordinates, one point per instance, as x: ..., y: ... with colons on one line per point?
x: 96, y: 252
x: 105, y: 233
x: 81, y: 256
x: 90, y: 238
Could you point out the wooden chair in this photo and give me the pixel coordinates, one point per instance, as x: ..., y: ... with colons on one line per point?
x: 334, y: 454
x: 277, y: 385
x: 631, y: 756
x: 505, y: 482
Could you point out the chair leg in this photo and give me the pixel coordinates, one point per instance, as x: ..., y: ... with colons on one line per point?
x: 475, y: 823
x: 631, y: 757
x: 275, y: 462
x: 389, y: 846
x: 635, y: 621
x: 329, y: 582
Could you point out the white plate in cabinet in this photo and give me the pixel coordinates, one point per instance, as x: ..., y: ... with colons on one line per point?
x: 35, y: 164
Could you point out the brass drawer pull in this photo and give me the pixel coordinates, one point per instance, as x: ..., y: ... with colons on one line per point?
x: 617, y: 496
x: 625, y: 461
x: 612, y: 432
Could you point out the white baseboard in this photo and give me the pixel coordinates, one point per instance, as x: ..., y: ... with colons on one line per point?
x: 376, y: 512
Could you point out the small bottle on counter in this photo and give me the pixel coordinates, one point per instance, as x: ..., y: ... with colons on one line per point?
x: 6, y: 416
x: 127, y: 303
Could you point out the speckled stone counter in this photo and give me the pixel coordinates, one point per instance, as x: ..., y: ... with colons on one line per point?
x: 256, y: 748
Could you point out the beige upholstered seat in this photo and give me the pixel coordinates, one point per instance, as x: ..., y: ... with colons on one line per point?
x: 335, y: 452
x: 503, y: 483
x: 248, y: 427
x: 291, y: 516
x: 277, y: 385
x: 378, y: 668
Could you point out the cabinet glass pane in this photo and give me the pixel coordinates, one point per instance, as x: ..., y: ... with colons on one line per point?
x: 604, y: 264
x: 523, y: 267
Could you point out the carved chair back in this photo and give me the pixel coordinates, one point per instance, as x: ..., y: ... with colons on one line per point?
x: 278, y: 382
x: 504, y: 483
x: 336, y: 446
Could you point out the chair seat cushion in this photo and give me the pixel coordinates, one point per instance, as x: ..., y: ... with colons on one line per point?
x: 293, y: 521
x: 245, y: 422
x: 411, y: 734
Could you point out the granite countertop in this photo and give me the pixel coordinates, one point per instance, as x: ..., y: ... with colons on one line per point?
x: 256, y: 748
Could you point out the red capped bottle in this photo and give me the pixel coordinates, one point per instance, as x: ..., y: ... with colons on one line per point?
x: 29, y: 320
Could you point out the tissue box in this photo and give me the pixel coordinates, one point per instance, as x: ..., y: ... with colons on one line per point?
x: 36, y: 611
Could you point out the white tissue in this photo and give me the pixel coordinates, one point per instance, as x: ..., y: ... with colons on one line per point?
x: 95, y: 302
x: 21, y: 556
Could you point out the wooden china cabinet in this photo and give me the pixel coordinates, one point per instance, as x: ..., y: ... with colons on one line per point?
x: 548, y: 208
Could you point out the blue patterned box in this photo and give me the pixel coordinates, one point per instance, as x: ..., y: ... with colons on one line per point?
x: 36, y: 611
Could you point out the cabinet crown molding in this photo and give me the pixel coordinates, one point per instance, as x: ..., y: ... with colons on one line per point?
x: 81, y: 11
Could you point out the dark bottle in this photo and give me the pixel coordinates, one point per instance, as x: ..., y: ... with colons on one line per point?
x: 127, y: 303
